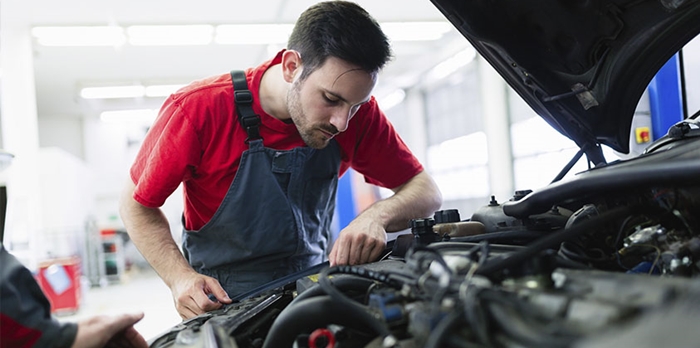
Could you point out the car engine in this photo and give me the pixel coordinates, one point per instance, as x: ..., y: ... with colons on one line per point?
x: 608, y: 258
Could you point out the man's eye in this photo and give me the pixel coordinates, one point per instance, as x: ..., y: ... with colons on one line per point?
x: 330, y: 100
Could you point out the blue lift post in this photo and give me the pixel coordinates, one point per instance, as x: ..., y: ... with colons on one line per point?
x: 665, y: 98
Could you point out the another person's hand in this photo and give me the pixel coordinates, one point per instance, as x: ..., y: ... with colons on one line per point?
x: 109, y: 331
x: 191, y: 295
x: 362, y: 241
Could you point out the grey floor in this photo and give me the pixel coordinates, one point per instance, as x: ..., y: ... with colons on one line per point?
x: 139, y: 291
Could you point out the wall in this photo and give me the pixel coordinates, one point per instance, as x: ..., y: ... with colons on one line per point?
x: 62, y: 132
x: 67, y: 204
x: 113, y: 148
x: 20, y: 136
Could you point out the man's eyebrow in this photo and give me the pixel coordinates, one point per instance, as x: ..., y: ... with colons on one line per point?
x: 341, y: 97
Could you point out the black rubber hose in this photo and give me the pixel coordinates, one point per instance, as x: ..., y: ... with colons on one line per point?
x: 552, y: 240
x: 353, y: 308
x: 349, y: 283
x: 310, y: 314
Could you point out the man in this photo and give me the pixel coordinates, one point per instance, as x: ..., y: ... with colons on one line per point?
x: 259, y: 195
x: 25, y: 317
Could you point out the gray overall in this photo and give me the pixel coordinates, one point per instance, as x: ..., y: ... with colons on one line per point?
x: 274, y: 220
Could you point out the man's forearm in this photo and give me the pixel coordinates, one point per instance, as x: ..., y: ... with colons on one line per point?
x: 419, y: 197
x: 148, y: 228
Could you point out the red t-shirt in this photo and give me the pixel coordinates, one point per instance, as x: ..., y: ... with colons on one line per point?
x: 197, y: 140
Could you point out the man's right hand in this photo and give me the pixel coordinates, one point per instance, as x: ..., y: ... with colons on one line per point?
x: 109, y: 331
x: 191, y: 295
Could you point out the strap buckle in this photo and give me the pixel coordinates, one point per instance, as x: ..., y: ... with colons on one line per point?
x: 243, y: 97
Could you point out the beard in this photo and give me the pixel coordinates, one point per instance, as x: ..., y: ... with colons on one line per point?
x: 310, y: 133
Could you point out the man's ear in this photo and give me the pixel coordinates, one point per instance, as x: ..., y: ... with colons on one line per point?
x: 291, y: 65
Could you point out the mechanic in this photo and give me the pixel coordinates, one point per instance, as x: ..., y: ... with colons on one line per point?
x: 260, y: 178
x: 26, y: 321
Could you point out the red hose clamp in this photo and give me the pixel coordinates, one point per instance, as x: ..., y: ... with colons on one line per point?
x: 318, y: 333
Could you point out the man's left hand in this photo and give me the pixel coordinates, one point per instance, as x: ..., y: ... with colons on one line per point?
x: 360, y: 242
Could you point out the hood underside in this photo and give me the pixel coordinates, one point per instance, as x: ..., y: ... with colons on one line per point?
x: 581, y: 65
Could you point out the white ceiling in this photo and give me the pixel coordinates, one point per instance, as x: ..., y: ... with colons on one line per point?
x: 61, y: 71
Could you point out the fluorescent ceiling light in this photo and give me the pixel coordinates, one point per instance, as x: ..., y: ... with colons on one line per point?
x: 226, y: 34
x: 452, y: 64
x: 129, y: 116
x: 252, y: 34
x: 130, y: 91
x: 169, y: 35
x: 162, y: 90
x: 415, y: 31
x: 80, y: 36
x: 109, y: 92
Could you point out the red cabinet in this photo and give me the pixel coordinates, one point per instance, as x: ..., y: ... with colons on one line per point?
x: 60, y: 281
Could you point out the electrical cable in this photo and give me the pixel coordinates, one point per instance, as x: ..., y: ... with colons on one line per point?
x: 617, y: 242
x: 348, y: 283
x: 474, y: 313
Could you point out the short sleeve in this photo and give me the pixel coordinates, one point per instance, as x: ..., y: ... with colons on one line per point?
x: 170, y: 153
x: 374, y: 149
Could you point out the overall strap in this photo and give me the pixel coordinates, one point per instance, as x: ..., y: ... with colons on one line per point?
x: 244, y: 105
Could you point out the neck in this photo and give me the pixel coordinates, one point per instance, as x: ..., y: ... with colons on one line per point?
x: 273, y: 93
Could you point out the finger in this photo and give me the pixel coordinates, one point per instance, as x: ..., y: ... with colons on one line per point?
x: 122, y: 322
x: 355, y: 252
x: 218, y: 291
x: 366, y: 252
x: 204, y: 303
x: 331, y: 256
x: 341, y: 257
x: 376, y: 251
x: 186, y: 310
x: 133, y: 338
x: 129, y: 338
x: 115, y: 327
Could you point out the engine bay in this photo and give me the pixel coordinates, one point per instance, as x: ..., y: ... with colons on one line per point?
x: 610, y: 257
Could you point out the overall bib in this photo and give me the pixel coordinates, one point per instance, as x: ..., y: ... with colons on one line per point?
x: 275, y: 218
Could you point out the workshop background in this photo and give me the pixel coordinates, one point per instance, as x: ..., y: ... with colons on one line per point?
x: 81, y: 81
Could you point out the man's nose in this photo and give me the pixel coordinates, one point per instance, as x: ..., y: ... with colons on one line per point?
x: 341, y: 117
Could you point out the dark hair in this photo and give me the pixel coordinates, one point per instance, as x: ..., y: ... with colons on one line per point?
x: 340, y: 29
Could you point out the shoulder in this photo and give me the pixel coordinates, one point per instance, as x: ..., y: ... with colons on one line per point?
x: 200, y: 102
x: 207, y: 88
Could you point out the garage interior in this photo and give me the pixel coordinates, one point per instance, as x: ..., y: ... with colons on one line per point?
x: 70, y: 150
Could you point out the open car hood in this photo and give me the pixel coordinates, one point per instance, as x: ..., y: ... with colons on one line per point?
x: 581, y: 65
